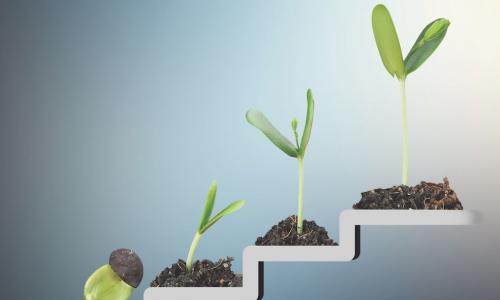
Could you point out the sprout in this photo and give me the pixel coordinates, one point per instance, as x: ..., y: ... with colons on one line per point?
x: 389, y: 49
x: 117, y: 279
x: 207, y: 222
x: 260, y: 121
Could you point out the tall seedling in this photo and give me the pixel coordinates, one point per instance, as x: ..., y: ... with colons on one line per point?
x: 389, y: 48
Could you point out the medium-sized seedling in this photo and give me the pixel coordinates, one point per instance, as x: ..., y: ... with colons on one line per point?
x: 206, y: 222
x: 389, y: 48
x: 259, y: 120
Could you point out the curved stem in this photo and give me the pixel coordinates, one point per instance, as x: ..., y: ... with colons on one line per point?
x: 301, y: 194
x: 192, y: 249
x: 404, y: 177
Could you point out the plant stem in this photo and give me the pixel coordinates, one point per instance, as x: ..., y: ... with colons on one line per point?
x: 192, y: 249
x: 405, y: 133
x: 301, y: 194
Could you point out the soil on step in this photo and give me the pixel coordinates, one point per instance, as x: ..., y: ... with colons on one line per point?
x: 205, y: 273
x: 426, y: 195
x: 285, y: 234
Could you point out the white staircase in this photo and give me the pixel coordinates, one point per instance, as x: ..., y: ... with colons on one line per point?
x: 350, y: 223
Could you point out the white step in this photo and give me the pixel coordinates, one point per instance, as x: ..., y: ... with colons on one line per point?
x: 347, y: 250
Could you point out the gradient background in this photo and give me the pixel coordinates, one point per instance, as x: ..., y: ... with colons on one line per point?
x: 115, y: 116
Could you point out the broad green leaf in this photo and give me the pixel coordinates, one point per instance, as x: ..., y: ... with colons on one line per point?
x: 387, y: 41
x: 231, y: 208
x: 105, y: 284
x: 428, y: 40
x: 259, y: 120
x: 209, y: 205
x: 309, y: 122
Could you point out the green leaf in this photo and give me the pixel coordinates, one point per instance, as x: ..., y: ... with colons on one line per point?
x: 309, y: 121
x: 209, y: 205
x: 428, y: 40
x: 294, y: 124
x: 387, y: 41
x: 231, y: 208
x: 259, y: 120
x: 105, y: 284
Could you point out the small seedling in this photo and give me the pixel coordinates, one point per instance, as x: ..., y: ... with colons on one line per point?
x: 117, y: 279
x: 206, y: 222
x: 389, y: 48
x: 259, y: 120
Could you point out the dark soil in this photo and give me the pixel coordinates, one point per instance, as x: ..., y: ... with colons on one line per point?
x: 285, y: 233
x: 426, y: 195
x: 205, y: 273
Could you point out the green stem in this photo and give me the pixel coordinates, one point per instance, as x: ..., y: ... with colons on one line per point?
x: 405, y: 133
x: 301, y: 194
x: 192, y: 249
x: 296, y: 139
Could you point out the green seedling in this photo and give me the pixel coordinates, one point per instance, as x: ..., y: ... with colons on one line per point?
x: 389, y: 48
x: 206, y: 221
x: 259, y: 120
x: 117, y: 279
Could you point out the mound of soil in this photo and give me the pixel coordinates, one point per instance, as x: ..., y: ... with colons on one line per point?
x: 205, y: 273
x: 426, y: 195
x: 285, y: 233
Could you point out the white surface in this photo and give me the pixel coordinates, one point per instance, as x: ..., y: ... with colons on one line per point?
x: 344, y: 252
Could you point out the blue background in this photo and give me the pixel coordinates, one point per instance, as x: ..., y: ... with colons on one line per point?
x: 116, y: 115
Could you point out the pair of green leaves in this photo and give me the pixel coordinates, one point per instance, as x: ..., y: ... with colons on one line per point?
x: 389, y: 48
x: 207, y: 222
x: 259, y: 120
